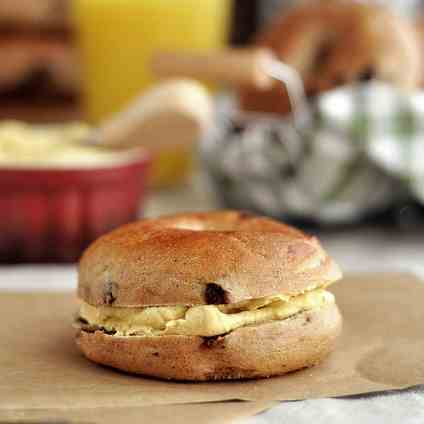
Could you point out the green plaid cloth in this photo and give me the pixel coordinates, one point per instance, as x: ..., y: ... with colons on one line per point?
x: 385, y: 125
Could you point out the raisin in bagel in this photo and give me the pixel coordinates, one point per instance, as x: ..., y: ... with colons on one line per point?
x: 336, y: 42
x: 207, y: 296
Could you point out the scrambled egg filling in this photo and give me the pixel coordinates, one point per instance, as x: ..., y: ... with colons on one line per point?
x: 200, y: 320
x: 59, y: 145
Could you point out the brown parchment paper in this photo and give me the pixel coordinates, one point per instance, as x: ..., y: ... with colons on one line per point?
x: 198, y: 413
x: 382, y: 348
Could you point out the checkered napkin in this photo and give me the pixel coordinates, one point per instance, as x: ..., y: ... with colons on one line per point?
x: 361, y: 154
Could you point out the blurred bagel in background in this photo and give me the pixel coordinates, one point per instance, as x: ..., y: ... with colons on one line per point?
x: 337, y: 42
x: 33, y: 60
x: 419, y: 26
x: 39, y: 13
x: 39, y: 76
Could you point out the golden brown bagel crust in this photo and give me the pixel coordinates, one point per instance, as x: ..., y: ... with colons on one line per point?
x: 233, y: 256
x: 336, y: 42
x: 265, y: 350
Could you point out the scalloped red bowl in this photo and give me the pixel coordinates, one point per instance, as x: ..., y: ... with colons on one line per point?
x: 52, y: 214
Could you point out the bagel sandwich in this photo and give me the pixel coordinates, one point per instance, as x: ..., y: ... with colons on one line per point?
x: 207, y: 296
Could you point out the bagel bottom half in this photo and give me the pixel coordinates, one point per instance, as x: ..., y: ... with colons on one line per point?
x: 265, y: 350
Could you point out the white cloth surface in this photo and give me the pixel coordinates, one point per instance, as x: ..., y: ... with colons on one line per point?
x: 400, y: 407
x: 355, y: 250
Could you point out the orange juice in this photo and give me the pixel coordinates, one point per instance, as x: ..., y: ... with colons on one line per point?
x: 117, y: 40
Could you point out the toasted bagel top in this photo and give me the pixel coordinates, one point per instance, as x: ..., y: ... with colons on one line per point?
x: 202, y: 258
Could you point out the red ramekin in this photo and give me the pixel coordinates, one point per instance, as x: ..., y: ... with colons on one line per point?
x: 52, y: 214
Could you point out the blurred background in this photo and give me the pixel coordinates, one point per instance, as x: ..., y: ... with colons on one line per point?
x: 306, y: 111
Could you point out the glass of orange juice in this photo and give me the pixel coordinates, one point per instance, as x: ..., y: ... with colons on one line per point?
x: 117, y: 39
